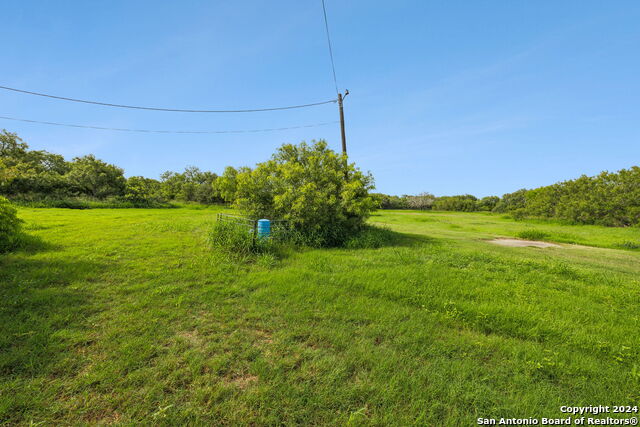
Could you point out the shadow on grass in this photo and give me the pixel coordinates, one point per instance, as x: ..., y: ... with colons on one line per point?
x: 407, y: 239
x: 31, y: 244
x: 374, y: 237
x: 43, y: 315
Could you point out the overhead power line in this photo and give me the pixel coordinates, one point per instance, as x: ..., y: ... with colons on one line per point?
x: 333, y: 65
x: 167, y: 131
x: 175, y: 110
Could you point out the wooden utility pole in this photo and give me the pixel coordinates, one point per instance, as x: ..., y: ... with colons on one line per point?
x: 344, y: 138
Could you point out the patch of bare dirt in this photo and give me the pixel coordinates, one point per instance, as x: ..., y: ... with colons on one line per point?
x: 517, y: 243
x: 242, y: 381
x: 192, y: 337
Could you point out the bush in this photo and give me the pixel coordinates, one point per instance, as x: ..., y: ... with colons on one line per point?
x: 629, y: 245
x: 9, y: 226
x: 321, y: 195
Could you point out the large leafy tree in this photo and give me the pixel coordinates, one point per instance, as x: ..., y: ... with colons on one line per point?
x: 421, y: 201
x: 93, y: 177
x: 193, y: 185
x: 24, y: 171
x: 142, y: 190
x: 322, y: 195
x: 226, y: 186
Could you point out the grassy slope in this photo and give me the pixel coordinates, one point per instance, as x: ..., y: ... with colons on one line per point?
x: 488, y: 225
x: 125, y: 315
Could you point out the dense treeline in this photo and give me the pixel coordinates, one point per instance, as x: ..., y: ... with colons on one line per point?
x: 43, y: 178
x: 611, y: 199
x: 427, y: 201
x: 32, y: 176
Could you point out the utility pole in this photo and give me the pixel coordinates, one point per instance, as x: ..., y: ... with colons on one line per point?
x: 344, y: 138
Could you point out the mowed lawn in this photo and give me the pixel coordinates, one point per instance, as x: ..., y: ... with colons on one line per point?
x: 127, y: 316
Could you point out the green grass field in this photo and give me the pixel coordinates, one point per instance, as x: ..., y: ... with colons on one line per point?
x: 127, y: 316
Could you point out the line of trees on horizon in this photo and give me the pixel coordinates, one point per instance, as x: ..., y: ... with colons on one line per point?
x: 41, y: 178
x: 609, y: 198
x: 427, y: 201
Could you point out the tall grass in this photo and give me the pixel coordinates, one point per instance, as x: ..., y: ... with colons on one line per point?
x: 239, y: 241
x: 533, y: 234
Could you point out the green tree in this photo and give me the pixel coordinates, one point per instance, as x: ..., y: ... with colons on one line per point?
x: 487, y: 203
x: 11, y: 146
x: 226, y: 185
x: 323, y: 196
x: 512, y: 201
x: 93, y: 177
x: 422, y: 201
x: 193, y: 185
x: 385, y: 201
x: 463, y: 203
x: 26, y: 172
x: 198, y: 186
x: 142, y: 190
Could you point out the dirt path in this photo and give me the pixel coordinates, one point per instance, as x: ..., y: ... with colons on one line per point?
x: 517, y: 243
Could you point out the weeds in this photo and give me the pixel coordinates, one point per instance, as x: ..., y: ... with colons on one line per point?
x: 629, y: 245
x: 533, y: 234
x: 238, y: 241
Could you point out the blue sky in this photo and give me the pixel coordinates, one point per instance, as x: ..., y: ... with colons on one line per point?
x: 450, y: 97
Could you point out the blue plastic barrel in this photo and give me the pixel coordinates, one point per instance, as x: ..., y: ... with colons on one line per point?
x: 264, y: 228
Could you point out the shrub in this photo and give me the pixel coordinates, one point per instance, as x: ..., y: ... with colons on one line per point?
x: 629, y: 245
x: 9, y: 226
x: 323, y: 197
